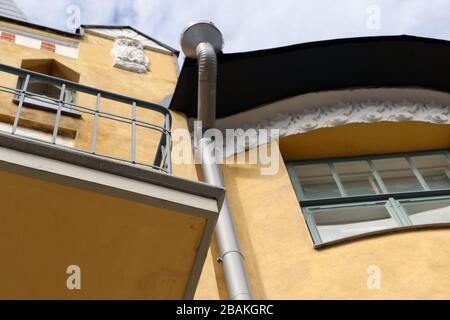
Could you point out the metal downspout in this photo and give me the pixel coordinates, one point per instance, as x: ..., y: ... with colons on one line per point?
x: 202, y: 41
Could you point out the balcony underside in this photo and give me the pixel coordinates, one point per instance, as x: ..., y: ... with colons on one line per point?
x: 135, y: 233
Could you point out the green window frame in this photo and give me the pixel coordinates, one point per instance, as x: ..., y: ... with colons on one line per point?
x: 389, y: 191
x: 41, y: 100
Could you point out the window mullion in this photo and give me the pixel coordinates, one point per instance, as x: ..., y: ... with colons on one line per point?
x: 418, y: 175
x: 337, y: 179
x: 386, y: 210
x: 378, y: 177
x: 393, y: 212
x: 399, y: 213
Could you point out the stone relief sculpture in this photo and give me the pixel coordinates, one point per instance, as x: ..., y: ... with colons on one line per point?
x: 343, y: 113
x: 353, y: 112
x: 128, y: 54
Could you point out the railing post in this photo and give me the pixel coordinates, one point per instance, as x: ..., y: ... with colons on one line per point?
x: 21, y: 101
x: 133, y: 132
x: 95, y: 125
x: 168, y: 144
x: 163, y: 158
x: 58, y: 113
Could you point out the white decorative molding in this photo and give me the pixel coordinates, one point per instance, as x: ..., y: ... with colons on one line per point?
x: 128, y: 54
x: 41, y: 37
x: 346, y: 113
x: 63, y: 47
x: 285, y: 124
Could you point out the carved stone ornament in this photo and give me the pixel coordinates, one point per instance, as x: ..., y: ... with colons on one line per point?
x: 346, y: 113
x: 128, y: 54
x: 352, y: 112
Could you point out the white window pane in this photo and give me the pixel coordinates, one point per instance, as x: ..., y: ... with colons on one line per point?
x: 397, y: 175
x: 357, y: 178
x: 435, y: 169
x: 341, y: 223
x: 428, y: 212
x: 317, y: 181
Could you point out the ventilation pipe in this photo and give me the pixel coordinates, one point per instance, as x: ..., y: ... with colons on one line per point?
x: 202, y: 41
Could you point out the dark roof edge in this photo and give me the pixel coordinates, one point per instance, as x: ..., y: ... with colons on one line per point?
x: 78, y: 33
x: 94, y: 26
x: 315, y: 44
x: 241, y: 85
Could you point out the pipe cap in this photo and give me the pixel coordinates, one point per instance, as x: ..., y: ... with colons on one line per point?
x: 199, y: 32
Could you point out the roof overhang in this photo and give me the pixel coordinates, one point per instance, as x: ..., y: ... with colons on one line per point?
x: 80, y: 32
x: 135, y: 233
x: 253, y: 79
x: 32, y: 25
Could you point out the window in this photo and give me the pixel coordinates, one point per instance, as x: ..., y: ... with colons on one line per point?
x: 344, y: 199
x: 47, y: 89
x: 45, y: 95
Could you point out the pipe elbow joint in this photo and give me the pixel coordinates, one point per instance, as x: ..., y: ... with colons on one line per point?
x: 207, y: 62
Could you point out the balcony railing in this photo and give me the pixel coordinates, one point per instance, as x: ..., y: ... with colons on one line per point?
x: 161, y: 158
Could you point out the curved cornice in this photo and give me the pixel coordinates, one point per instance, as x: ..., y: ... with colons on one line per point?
x: 249, y: 80
x: 344, y: 113
x: 337, y: 108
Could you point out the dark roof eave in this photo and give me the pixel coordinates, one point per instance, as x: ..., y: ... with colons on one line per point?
x: 80, y: 31
x: 251, y: 79
x: 24, y: 23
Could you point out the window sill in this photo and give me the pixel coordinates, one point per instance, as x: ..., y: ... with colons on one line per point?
x: 44, y: 106
x: 379, y: 233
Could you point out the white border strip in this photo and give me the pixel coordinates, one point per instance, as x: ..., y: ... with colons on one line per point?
x: 65, y: 48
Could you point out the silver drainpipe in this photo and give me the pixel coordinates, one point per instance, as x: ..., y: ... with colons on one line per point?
x: 202, y: 41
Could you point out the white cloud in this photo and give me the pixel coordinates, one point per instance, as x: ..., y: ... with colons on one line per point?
x: 254, y: 24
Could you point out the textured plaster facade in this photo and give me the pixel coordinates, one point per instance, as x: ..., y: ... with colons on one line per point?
x: 280, y: 259
x: 95, y: 69
x: 117, y: 233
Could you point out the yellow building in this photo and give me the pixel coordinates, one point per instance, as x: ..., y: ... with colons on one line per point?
x: 348, y: 198
x: 91, y: 205
x: 360, y: 205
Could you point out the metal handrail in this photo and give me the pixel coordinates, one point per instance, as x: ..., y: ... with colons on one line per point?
x: 162, y: 159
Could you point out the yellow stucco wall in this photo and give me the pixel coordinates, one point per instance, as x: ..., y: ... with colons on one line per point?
x: 125, y: 249
x: 95, y: 67
x: 362, y: 139
x: 280, y: 259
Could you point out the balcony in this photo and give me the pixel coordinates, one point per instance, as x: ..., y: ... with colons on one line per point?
x: 86, y: 180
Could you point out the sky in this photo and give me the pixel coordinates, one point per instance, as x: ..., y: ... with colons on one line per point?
x: 252, y: 24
